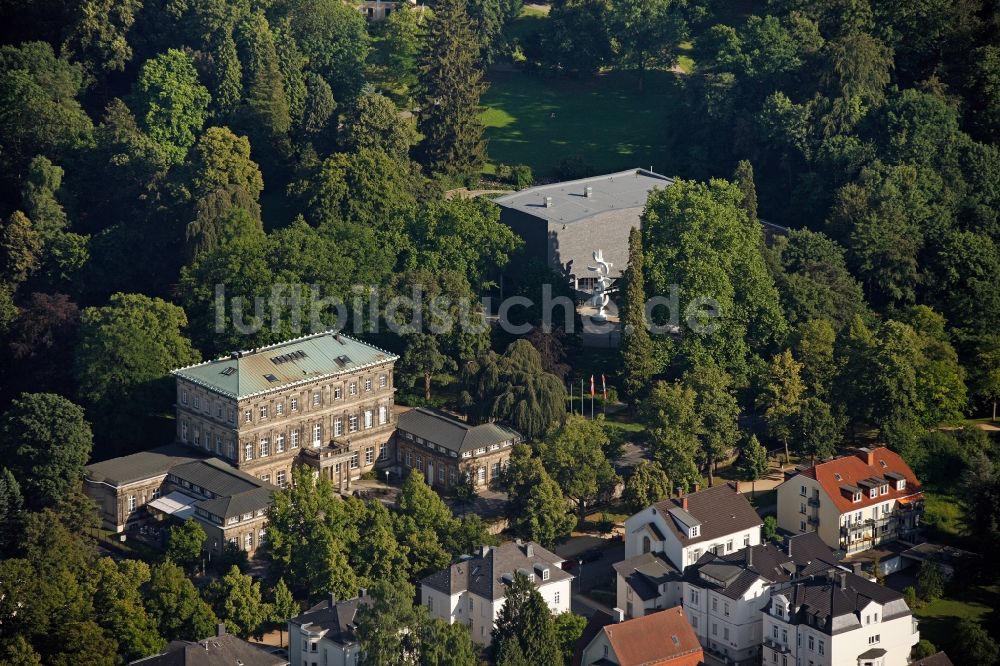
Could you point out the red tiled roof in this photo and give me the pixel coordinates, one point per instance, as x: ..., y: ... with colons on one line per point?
x: 852, y: 469
x: 659, y: 639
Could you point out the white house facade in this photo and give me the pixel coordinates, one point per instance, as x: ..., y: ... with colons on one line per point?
x: 472, y: 591
x: 325, y: 635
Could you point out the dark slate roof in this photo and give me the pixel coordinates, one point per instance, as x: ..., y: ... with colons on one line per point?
x: 938, y: 659
x: 832, y: 602
x: 334, y: 619
x: 488, y: 573
x: 236, y: 492
x: 289, y: 363
x: 452, y: 434
x: 140, y: 466
x: 597, y: 621
x: 223, y: 650
x: 719, y: 510
x: 874, y: 653
x: 734, y: 573
x: 645, y: 573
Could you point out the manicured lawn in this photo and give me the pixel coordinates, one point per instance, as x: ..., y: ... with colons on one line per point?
x: 605, y: 120
x: 939, y: 619
x: 942, y: 521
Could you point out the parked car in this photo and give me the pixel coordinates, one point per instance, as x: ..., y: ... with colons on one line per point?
x: 590, y: 555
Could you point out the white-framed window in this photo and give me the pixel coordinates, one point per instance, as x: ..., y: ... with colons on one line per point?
x: 155, y: 494
x: 725, y: 609
x: 821, y: 647
x: 812, y: 642
x: 369, y: 455
x: 247, y: 416
x: 695, y: 530
x: 338, y: 392
x: 279, y: 408
x: 317, y: 435
x: 218, y: 410
x: 383, y: 381
x: 294, y: 438
x: 354, y: 460
x: 872, y: 640
x: 280, y: 479
x: 248, y: 541
x: 265, y: 447
x: 383, y: 414
x: 495, y: 472
x: 218, y: 444
x: 383, y: 452
x: 184, y: 431
x: 369, y: 418
x: 694, y: 597
x: 197, y: 402
x: 248, y: 452
x: 729, y: 546
x: 338, y: 426
x: 293, y: 403
x: 802, y: 491
x: 184, y: 397
x: 715, y: 601
x: 481, y: 475
x: 352, y: 388
x: 556, y: 597
x: 368, y: 384
x: 352, y: 423
x: 131, y: 503
x: 746, y: 540
x: 279, y: 443
x: 406, y: 459
x: 316, y: 398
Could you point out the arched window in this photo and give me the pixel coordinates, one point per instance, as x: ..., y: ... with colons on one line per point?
x: 647, y: 545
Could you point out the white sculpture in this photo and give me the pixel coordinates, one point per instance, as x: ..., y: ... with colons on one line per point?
x: 600, y: 298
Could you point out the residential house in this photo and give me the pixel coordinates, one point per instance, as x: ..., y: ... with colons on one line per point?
x: 447, y: 451
x: 473, y: 590
x: 663, y: 638
x: 164, y: 484
x: 722, y: 594
x: 379, y: 10
x: 223, y: 649
x: 683, y: 528
x: 855, y: 502
x: 322, y: 400
x: 837, y: 619
x: 325, y: 635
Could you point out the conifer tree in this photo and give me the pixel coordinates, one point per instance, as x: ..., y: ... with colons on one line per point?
x: 743, y: 177
x: 228, y: 76
x: 525, y: 619
x: 266, y: 106
x: 451, y: 83
x: 636, y: 347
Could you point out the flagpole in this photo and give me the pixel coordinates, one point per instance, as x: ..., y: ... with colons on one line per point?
x: 583, y: 410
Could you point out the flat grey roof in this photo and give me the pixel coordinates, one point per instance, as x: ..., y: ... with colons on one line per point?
x: 613, y: 191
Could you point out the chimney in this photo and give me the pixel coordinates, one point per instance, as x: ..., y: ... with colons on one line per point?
x: 333, y: 600
x: 529, y: 550
x: 867, y: 456
x: 485, y: 550
x: 679, y: 491
x: 548, y: 202
x: 749, y: 556
x: 857, y: 567
x: 220, y: 630
x: 843, y: 579
x: 618, y: 615
x: 589, y: 192
x: 684, y: 503
x: 363, y: 593
x: 697, y: 487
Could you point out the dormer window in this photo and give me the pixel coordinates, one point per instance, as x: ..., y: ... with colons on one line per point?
x: 873, y: 492
x: 694, y: 531
x: 884, y: 489
x: 857, y: 496
x: 901, y: 484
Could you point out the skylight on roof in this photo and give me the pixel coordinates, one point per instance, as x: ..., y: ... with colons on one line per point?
x: 228, y: 371
x: 676, y: 641
x: 837, y: 476
x: 271, y: 378
x: 343, y: 360
x: 882, y: 462
x: 290, y: 356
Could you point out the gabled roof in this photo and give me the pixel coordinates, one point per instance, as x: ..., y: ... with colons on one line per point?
x: 613, y: 191
x: 855, y: 472
x: 236, y: 492
x: 335, y: 620
x: 645, y: 573
x: 489, y: 572
x: 306, y: 359
x: 140, y: 466
x: 832, y: 603
x: 735, y: 573
x: 221, y: 650
x: 454, y: 435
x: 658, y: 638
x: 719, y: 510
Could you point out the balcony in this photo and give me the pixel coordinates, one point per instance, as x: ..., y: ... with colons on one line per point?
x: 777, y: 646
x: 813, y: 520
x: 813, y: 501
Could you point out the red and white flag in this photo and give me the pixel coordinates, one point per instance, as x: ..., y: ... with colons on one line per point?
x: 604, y: 387
x: 592, y: 386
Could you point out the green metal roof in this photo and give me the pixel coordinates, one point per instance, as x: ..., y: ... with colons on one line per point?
x: 306, y: 359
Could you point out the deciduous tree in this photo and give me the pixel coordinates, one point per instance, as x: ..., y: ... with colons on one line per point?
x: 648, y: 484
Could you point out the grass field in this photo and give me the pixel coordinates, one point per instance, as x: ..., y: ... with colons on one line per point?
x: 939, y: 618
x: 605, y: 120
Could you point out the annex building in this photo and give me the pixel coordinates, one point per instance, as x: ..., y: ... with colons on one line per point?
x: 563, y: 223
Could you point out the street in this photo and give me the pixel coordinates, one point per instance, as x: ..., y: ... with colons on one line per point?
x: 598, y: 573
